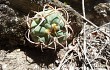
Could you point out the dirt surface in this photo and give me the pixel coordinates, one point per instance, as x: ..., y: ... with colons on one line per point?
x: 18, y: 54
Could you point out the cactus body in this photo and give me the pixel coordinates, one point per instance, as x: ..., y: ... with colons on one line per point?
x: 52, y: 27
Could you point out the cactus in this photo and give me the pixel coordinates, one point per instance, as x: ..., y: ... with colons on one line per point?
x: 48, y: 27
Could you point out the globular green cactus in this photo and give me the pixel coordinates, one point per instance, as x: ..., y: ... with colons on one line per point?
x: 48, y: 26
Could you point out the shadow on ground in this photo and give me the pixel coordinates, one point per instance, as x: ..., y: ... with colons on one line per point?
x: 47, y: 56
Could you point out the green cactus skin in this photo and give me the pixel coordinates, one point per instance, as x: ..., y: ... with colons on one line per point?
x: 63, y: 34
x: 53, y: 25
x: 40, y: 31
x: 33, y: 24
x: 58, y: 21
x: 47, y: 25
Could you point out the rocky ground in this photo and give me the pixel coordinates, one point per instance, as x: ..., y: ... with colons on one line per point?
x: 90, y: 48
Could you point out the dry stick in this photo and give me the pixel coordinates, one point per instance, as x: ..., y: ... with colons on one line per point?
x: 84, y: 30
x: 66, y: 60
x: 85, y: 56
x: 96, y: 27
x: 83, y: 8
x: 62, y: 61
x: 58, y: 3
x: 85, y: 49
x: 92, y: 23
